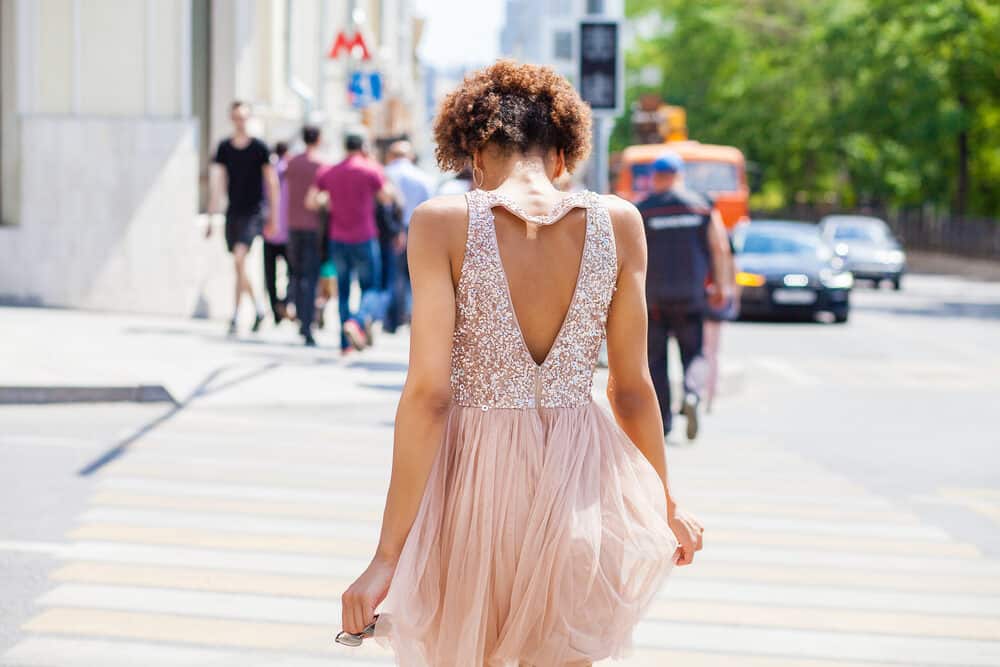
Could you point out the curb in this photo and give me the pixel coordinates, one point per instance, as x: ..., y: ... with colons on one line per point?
x: 40, y: 395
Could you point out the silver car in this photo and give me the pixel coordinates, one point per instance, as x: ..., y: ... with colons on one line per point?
x: 869, y: 249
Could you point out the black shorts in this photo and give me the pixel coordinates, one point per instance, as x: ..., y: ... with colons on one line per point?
x: 243, y: 228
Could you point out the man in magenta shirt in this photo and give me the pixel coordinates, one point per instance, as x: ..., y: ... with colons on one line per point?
x: 351, y: 187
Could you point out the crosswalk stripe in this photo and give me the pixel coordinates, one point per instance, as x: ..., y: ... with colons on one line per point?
x: 809, y: 618
x: 376, y: 499
x: 952, y: 615
x: 325, y: 586
x: 353, y: 538
x: 42, y: 651
x: 905, y: 650
x: 644, y: 657
x: 922, y: 537
x: 336, y: 511
x: 182, y: 629
x: 325, y: 477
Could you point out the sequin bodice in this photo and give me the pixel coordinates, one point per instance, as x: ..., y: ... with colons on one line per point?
x: 491, y: 366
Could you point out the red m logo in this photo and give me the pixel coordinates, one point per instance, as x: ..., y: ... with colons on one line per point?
x: 342, y: 44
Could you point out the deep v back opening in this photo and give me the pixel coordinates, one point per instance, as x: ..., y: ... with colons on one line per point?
x: 558, y: 213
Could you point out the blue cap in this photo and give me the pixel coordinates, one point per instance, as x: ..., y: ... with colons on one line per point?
x: 670, y: 163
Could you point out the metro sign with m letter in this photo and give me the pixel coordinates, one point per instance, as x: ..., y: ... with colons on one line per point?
x: 343, y: 43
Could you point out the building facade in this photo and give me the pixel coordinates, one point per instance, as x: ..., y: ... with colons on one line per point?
x: 110, y: 113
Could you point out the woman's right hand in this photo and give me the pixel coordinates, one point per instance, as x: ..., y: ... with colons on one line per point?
x: 365, y: 594
x: 688, y: 531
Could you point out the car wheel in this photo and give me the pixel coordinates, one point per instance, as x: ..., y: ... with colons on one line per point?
x: 840, y: 315
x: 897, y: 283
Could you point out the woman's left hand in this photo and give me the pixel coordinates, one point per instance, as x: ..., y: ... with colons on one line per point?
x: 365, y: 594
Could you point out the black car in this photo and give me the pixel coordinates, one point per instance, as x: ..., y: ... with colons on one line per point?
x: 787, y: 270
x: 869, y: 249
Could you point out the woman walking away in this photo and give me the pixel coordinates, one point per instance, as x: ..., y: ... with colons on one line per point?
x: 523, y: 526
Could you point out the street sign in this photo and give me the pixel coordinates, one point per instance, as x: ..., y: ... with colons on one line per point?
x: 355, y: 44
x: 364, y: 88
x: 601, y: 76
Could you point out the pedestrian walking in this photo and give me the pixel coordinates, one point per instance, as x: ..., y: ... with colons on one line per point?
x: 682, y: 233
x: 304, y: 237
x: 522, y: 524
x: 276, y: 241
x: 351, y: 187
x: 242, y: 170
x: 415, y: 188
x: 392, y: 246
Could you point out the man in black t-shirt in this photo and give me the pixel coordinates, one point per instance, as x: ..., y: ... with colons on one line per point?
x: 242, y: 168
x: 687, y: 242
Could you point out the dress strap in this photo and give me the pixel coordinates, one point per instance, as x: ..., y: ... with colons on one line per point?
x: 581, y: 199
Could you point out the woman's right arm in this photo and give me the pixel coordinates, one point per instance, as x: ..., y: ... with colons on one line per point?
x: 423, y: 406
x: 630, y: 387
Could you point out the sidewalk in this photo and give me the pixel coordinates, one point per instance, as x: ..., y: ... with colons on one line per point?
x: 55, y: 350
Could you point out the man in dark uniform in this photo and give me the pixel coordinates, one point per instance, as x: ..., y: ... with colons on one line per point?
x: 683, y: 236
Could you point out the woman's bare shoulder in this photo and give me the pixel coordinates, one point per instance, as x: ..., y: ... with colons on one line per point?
x: 444, y: 210
x: 626, y: 221
x: 440, y: 223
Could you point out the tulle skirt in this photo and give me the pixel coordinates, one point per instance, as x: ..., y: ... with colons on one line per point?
x: 541, y: 538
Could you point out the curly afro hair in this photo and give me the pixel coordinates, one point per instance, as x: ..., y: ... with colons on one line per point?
x: 516, y: 107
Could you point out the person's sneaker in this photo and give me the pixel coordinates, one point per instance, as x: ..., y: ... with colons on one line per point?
x: 355, y: 335
x: 232, y: 327
x: 310, y: 341
x: 689, y: 408
x: 257, y: 320
x: 320, y: 317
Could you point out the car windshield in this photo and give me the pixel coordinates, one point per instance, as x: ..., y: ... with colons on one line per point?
x: 872, y: 233
x: 700, y: 176
x: 711, y: 176
x: 788, y: 243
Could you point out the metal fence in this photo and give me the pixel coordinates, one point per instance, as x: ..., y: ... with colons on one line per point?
x: 918, y: 229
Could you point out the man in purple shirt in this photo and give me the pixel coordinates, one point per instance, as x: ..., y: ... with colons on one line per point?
x: 351, y: 187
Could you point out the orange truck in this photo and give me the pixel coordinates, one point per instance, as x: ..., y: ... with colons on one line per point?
x: 717, y: 171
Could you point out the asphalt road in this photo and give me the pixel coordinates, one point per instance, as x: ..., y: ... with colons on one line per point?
x: 849, y: 479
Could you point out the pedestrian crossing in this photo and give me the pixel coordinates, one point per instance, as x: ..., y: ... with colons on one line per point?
x: 222, y: 540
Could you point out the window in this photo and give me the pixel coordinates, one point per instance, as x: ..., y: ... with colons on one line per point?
x: 595, y: 6
x: 563, y: 45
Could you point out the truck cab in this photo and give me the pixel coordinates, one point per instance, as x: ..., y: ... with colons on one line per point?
x: 718, y: 172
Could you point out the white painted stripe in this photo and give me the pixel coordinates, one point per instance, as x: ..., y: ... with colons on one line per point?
x: 874, y: 529
x: 816, y: 644
x: 328, y: 470
x: 243, y: 561
x: 830, y: 597
x: 215, y: 490
x: 138, y: 484
x: 239, y: 523
x: 49, y: 651
x: 50, y: 548
x: 231, y: 606
x: 928, y: 565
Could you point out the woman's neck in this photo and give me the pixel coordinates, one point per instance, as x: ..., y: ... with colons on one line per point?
x: 518, y: 172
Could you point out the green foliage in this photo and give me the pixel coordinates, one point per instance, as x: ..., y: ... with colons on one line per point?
x: 847, y: 100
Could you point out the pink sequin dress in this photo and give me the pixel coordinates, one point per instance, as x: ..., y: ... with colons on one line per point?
x: 542, y: 534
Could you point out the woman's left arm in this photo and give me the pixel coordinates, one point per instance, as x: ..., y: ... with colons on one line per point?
x: 423, y: 407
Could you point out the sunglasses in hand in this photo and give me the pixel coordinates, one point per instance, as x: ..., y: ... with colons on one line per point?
x: 354, y: 640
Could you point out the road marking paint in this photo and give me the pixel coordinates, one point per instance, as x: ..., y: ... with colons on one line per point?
x: 49, y: 548
x: 47, y: 651
x: 234, y: 523
x: 839, y: 542
x: 903, y: 650
x: 810, y: 618
x: 210, y: 539
x: 188, y: 578
x: 866, y: 529
x: 234, y: 491
x: 182, y: 629
x: 644, y: 657
x: 230, y: 606
x: 251, y: 507
x: 830, y: 597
